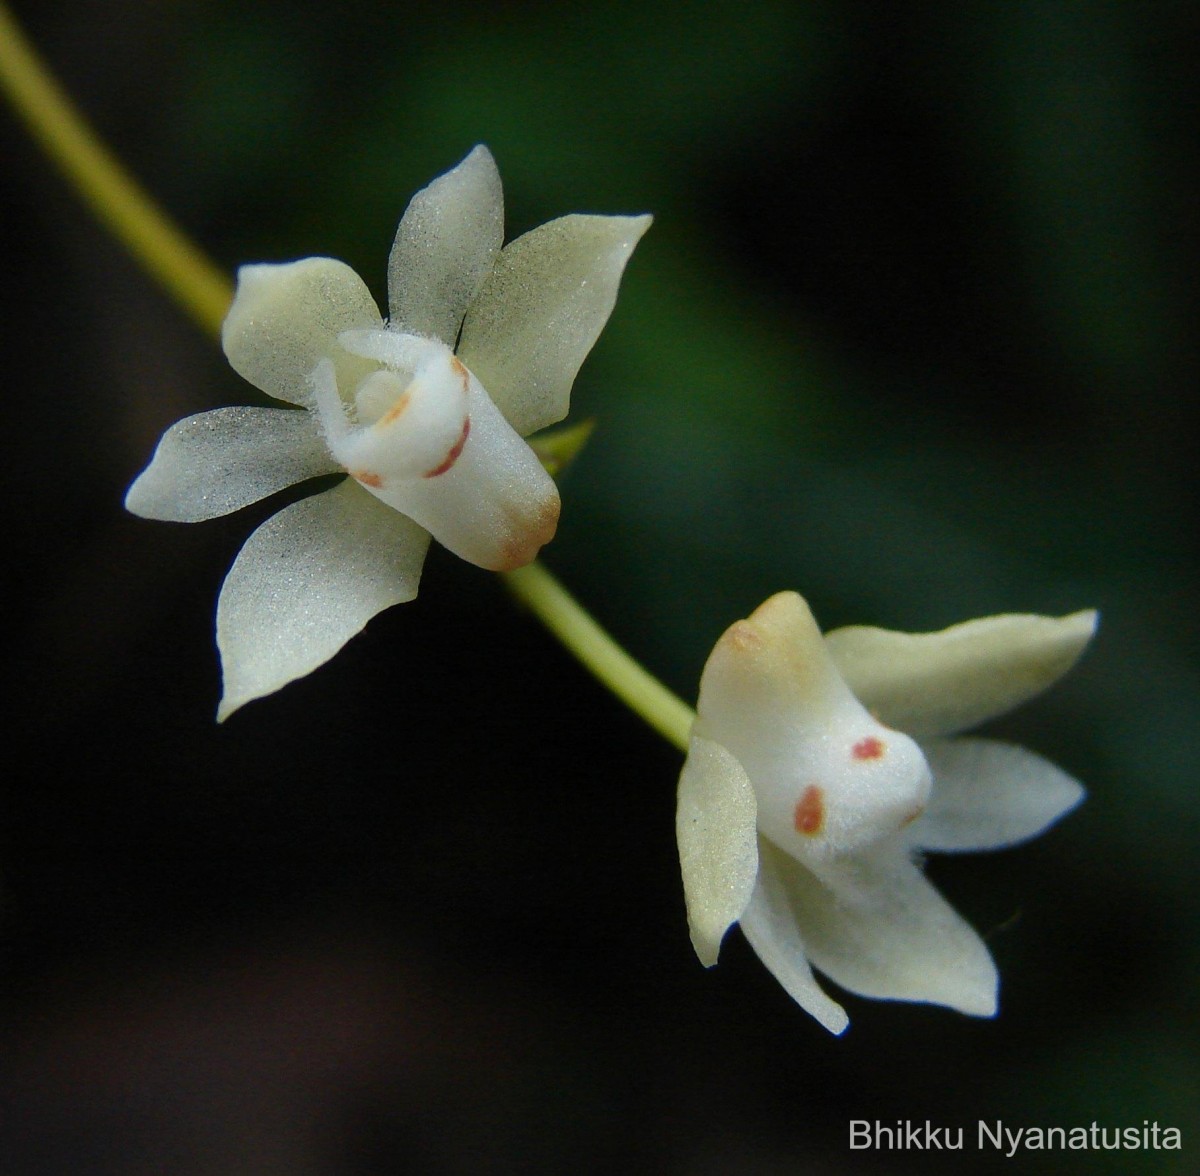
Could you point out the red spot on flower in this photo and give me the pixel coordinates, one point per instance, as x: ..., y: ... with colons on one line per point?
x: 367, y: 478
x: 809, y: 814
x: 869, y: 748
x: 454, y: 453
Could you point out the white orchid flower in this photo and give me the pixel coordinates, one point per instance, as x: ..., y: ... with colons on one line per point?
x: 803, y: 807
x: 425, y: 412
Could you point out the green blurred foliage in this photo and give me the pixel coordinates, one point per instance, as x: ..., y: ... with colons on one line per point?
x: 913, y: 333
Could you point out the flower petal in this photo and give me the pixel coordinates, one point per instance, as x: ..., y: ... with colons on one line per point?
x: 938, y: 683
x: 445, y: 246
x: 541, y: 309
x: 216, y: 462
x: 769, y: 924
x: 878, y: 927
x: 307, y: 581
x: 988, y: 794
x: 284, y: 318
x: 718, y: 844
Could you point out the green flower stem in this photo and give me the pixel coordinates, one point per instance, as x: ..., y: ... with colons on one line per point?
x: 205, y: 292
x: 566, y: 618
x: 198, y: 285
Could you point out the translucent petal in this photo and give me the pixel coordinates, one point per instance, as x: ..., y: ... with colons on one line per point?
x: 492, y: 503
x: 769, y: 924
x: 285, y: 318
x: 938, y: 683
x: 988, y: 794
x: 216, y: 462
x: 445, y: 245
x: 307, y: 581
x: 541, y: 309
x: 718, y: 844
x: 876, y: 926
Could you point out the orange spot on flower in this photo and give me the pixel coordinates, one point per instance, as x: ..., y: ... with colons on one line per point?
x: 461, y: 371
x: 367, y: 478
x: 809, y: 814
x: 396, y: 410
x: 529, y: 534
x: 869, y: 748
x: 454, y: 453
x: 742, y: 636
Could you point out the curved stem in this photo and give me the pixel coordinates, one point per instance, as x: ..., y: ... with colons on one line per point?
x: 202, y: 289
x: 205, y: 292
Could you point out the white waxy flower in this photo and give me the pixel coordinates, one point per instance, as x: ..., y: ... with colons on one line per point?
x: 803, y: 807
x: 426, y: 412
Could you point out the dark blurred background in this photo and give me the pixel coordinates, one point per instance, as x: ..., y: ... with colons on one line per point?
x: 913, y: 333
